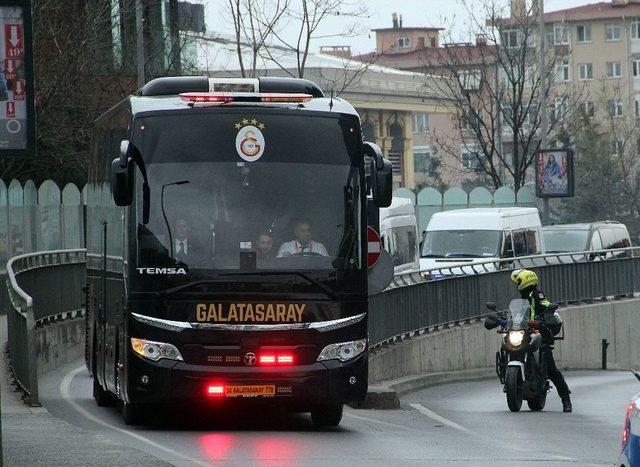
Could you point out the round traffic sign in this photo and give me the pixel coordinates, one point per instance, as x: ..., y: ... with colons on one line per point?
x: 374, y: 247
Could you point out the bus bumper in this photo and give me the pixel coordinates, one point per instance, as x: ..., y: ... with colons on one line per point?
x: 326, y: 382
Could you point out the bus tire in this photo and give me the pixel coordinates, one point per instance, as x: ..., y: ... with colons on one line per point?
x: 326, y: 415
x: 131, y: 413
x: 103, y: 398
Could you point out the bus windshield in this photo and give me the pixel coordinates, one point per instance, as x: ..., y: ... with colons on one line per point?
x: 214, y: 214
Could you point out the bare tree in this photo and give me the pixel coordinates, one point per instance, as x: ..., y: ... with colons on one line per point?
x: 494, y: 90
x: 266, y: 27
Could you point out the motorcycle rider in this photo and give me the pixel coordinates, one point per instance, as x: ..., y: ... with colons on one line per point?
x: 542, y: 310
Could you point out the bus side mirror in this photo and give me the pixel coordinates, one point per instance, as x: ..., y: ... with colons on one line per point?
x: 381, y: 175
x: 122, y: 178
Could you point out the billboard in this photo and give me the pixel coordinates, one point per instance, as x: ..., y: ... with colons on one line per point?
x: 17, y: 116
x: 554, y: 173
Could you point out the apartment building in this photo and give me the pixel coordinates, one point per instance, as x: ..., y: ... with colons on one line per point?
x: 598, y: 49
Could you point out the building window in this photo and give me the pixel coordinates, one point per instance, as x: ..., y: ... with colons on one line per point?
x: 470, y: 158
x: 637, y: 106
x: 420, y: 122
x: 614, y: 108
x: 584, y: 33
x: 563, y: 71
x: 612, y: 32
x: 470, y: 119
x: 404, y: 42
x: 636, y: 68
x: 585, y: 71
x: 470, y: 79
x: 588, y: 108
x: 421, y: 160
x: 510, y: 38
x: 559, y: 110
x: 561, y: 34
x: 614, y: 69
x: 635, y: 29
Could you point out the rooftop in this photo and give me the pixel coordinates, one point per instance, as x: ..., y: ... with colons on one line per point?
x: 601, y: 10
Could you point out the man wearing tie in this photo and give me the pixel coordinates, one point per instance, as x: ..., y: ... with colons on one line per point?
x: 181, y: 243
x: 302, y: 245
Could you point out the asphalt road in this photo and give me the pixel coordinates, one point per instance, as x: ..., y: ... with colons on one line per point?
x: 454, y: 424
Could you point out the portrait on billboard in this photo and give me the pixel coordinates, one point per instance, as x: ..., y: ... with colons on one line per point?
x: 554, y: 173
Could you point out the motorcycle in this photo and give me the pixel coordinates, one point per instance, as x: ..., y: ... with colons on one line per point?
x: 518, y: 362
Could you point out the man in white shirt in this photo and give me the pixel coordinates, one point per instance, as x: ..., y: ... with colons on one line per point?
x: 302, y: 245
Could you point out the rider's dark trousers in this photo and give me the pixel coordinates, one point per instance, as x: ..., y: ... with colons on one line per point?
x: 554, y: 374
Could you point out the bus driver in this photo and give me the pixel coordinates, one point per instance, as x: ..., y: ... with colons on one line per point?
x: 302, y: 245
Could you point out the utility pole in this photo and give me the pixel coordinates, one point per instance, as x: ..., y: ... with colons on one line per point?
x: 543, y: 101
x: 140, y: 43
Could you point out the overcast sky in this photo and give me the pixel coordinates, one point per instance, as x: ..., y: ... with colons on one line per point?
x: 415, y: 13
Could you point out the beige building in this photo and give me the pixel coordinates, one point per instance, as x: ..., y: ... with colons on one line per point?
x: 599, y: 49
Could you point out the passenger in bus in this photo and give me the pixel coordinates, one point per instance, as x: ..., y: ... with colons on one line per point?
x: 303, y: 244
x: 185, y: 248
x: 264, y: 246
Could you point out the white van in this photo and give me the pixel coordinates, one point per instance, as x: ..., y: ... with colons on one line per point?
x: 399, y: 234
x: 467, y: 236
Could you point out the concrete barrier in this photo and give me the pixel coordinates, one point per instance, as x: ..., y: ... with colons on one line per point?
x: 59, y: 343
x: 471, y: 347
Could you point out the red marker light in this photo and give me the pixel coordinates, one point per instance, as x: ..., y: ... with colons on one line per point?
x: 285, y: 359
x: 267, y: 359
x: 215, y: 390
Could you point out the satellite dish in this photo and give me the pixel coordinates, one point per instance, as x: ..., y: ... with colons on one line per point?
x: 380, y: 274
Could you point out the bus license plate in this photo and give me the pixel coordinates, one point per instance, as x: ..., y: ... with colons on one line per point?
x: 250, y: 391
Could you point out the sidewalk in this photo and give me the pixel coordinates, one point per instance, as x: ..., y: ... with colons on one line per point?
x: 32, y: 436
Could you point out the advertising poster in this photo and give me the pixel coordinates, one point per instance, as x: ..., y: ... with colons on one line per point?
x: 554, y: 173
x: 16, y: 95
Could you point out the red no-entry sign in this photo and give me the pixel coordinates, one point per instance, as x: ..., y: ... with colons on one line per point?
x: 374, y: 247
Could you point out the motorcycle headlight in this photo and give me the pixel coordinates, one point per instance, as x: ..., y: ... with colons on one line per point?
x: 515, y: 338
x: 155, y: 350
x: 344, y: 351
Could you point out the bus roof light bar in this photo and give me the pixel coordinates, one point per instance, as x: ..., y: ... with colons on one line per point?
x: 226, y: 97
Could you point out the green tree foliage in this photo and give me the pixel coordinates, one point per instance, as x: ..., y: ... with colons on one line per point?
x: 606, y: 178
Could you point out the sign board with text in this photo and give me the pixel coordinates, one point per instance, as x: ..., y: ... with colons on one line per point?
x: 17, y: 111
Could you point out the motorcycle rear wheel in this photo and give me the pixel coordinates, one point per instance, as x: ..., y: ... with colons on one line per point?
x: 537, y: 404
x: 514, y: 386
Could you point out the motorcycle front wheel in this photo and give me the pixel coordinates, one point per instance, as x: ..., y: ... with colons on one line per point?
x: 514, y: 388
x: 538, y: 403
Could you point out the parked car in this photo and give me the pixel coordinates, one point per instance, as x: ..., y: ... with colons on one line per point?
x: 399, y: 234
x: 630, y: 454
x: 467, y: 236
x: 606, y: 235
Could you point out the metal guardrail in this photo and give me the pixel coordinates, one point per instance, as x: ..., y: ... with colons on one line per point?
x: 417, y: 304
x: 43, y: 287
x: 465, y: 267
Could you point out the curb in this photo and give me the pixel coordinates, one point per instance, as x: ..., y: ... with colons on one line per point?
x: 385, y: 395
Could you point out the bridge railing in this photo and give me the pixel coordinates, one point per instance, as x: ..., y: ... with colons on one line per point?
x: 415, y: 303
x: 43, y: 287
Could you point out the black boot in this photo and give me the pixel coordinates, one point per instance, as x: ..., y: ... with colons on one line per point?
x: 566, y: 404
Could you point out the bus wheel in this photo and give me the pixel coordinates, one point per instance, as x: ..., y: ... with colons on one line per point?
x: 131, y: 413
x: 326, y: 415
x: 103, y: 398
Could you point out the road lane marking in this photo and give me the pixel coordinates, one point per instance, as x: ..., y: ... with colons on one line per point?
x: 440, y: 419
x: 65, y: 391
x: 373, y: 420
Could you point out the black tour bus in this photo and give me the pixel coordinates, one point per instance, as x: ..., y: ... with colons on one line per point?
x: 184, y: 177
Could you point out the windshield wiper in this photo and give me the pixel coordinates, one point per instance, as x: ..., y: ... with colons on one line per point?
x: 463, y: 255
x: 432, y: 255
x: 317, y: 283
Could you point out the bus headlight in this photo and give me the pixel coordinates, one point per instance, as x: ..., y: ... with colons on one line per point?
x: 155, y: 350
x: 515, y: 338
x: 344, y: 351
